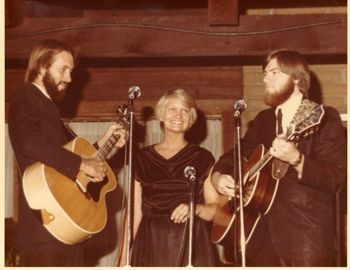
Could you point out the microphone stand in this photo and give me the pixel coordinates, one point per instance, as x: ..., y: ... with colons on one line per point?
x: 129, y: 182
x: 240, y: 180
x: 190, y: 233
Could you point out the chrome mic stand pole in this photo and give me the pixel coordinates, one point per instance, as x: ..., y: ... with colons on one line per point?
x: 134, y: 92
x: 190, y: 234
x: 190, y: 173
x: 129, y: 191
x: 240, y: 180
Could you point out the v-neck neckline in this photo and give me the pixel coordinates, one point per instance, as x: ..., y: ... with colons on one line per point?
x: 173, y: 156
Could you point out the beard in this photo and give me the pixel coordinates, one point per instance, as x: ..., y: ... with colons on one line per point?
x: 52, y: 88
x: 275, y: 99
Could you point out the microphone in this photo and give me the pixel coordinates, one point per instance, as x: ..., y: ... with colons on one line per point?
x: 134, y: 92
x: 190, y: 173
x: 239, y: 106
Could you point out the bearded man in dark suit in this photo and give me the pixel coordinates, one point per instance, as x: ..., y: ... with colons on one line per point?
x: 37, y: 133
x: 298, y: 229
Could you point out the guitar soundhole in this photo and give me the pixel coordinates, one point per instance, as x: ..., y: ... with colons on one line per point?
x: 94, y: 189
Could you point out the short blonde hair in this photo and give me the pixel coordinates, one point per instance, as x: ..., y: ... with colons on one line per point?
x: 181, y: 95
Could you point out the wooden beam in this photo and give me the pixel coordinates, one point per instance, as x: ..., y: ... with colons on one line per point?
x: 184, y: 35
x: 223, y: 12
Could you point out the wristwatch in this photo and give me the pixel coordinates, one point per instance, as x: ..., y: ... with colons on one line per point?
x: 298, y: 160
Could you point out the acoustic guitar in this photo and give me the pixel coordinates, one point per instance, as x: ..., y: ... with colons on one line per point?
x: 72, y: 211
x: 261, y: 175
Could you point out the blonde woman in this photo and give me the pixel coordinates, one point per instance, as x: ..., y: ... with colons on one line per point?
x: 161, y: 198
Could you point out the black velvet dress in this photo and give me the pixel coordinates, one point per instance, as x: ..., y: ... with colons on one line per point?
x: 160, y: 241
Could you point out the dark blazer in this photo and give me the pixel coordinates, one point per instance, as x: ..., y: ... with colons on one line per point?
x: 300, y: 223
x: 38, y: 134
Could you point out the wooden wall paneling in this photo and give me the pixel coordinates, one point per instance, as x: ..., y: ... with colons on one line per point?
x: 113, y: 83
x: 14, y: 79
x: 16, y: 180
x: 185, y: 35
x: 96, y: 92
x: 200, y: 82
x: 107, y: 109
x: 228, y: 130
x: 223, y: 12
x: 13, y: 13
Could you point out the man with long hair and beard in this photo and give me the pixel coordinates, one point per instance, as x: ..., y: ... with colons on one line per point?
x: 298, y: 227
x: 53, y: 88
x: 37, y: 133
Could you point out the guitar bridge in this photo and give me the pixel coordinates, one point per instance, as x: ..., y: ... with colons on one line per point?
x: 82, y: 189
x: 80, y: 186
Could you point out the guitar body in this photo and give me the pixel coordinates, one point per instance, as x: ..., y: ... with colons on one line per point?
x: 67, y: 212
x: 260, y: 189
x: 258, y: 194
x: 225, y: 223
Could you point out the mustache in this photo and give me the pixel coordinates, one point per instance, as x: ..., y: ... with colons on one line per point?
x: 65, y: 84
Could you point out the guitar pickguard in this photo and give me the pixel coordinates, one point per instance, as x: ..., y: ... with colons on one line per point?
x: 94, y: 189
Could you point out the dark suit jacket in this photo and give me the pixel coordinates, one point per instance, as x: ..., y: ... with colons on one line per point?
x: 38, y: 134
x: 300, y: 223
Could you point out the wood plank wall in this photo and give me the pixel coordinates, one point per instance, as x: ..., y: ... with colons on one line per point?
x: 162, y: 49
x: 96, y: 92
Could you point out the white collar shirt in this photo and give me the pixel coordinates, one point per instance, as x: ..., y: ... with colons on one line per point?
x: 289, y: 108
x: 42, y: 90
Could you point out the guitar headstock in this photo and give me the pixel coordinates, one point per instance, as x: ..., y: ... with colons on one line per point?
x: 307, y: 123
x: 123, y: 115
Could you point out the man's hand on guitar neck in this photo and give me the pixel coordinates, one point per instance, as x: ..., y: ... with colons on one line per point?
x: 117, y: 130
x: 94, y: 168
x: 224, y: 184
x: 288, y: 152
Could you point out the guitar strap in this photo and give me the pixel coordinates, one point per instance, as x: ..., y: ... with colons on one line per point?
x: 279, y: 168
x: 69, y: 129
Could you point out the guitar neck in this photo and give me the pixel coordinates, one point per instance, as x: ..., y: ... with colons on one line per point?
x: 267, y: 157
x: 259, y: 165
x: 106, y: 149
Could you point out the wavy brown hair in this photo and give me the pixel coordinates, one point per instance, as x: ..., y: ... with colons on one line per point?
x: 294, y: 64
x: 43, y: 55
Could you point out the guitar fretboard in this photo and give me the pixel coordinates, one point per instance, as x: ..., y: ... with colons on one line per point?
x: 267, y: 157
x: 106, y: 149
x: 258, y: 166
